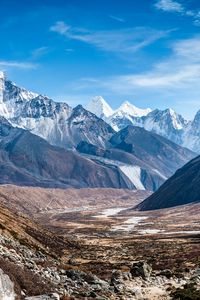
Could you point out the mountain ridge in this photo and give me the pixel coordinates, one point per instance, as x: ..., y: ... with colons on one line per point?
x: 182, y: 188
x: 165, y: 122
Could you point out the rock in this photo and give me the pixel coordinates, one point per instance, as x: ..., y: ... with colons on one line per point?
x: 141, y: 269
x: 167, y: 273
x: 197, y: 272
x: 6, y: 287
x: 117, y: 281
x: 53, y: 296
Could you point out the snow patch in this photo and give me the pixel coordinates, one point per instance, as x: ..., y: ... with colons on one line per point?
x: 129, y: 224
x: 134, y: 174
x: 110, y: 212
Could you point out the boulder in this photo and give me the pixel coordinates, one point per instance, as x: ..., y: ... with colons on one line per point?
x: 6, y: 287
x: 141, y: 269
x: 53, y: 296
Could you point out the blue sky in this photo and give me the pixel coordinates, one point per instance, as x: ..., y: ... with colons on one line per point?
x: 146, y: 52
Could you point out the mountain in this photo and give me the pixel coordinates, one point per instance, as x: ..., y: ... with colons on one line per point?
x: 12, y: 98
x: 166, y: 123
x: 182, y: 188
x: 83, y: 125
x: 99, y: 107
x: 127, y: 114
x: 152, y: 148
x: 67, y: 127
x: 191, y: 136
x: 26, y: 159
x: 56, y: 122
x: 132, y: 110
x: 163, y: 122
x: 146, y: 158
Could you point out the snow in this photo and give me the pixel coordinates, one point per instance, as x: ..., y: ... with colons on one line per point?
x: 160, y: 174
x: 134, y: 174
x: 17, y: 106
x: 110, y: 212
x: 99, y: 107
x: 132, y: 110
x: 2, y: 75
x: 129, y: 224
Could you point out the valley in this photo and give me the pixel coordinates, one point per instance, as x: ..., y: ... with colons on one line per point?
x: 100, y: 150
x: 124, y: 234
x: 88, y: 202
x: 104, y: 239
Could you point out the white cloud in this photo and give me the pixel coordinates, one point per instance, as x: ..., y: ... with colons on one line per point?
x: 38, y: 52
x: 123, y: 40
x: 117, y: 18
x: 17, y: 64
x: 169, y: 5
x: 60, y: 27
x: 176, y: 7
x: 180, y: 71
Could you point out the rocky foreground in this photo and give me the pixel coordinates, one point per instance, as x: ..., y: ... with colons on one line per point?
x: 37, y: 263
x: 34, y: 273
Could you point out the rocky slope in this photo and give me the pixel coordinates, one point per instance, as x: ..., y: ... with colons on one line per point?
x: 26, y: 159
x: 152, y: 148
x: 182, y: 188
x: 37, y: 264
x: 146, y: 158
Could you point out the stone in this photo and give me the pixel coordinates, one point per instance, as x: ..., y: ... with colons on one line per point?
x: 167, y: 273
x: 141, y: 269
x: 53, y: 296
x: 6, y: 287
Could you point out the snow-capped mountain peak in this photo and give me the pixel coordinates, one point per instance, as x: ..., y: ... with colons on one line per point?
x: 99, y: 107
x: 177, y: 120
x: 2, y: 75
x: 132, y: 110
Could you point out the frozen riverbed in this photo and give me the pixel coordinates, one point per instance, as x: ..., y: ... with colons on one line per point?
x: 109, y: 212
x: 129, y: 224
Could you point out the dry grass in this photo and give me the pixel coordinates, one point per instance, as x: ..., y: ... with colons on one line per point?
x: 24, y: 279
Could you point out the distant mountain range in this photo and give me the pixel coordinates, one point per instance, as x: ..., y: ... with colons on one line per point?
x: 26, y: 159
x: 163, y: 122
x: 146, y: 158
x: 182, y: 188
x: 91, y: 153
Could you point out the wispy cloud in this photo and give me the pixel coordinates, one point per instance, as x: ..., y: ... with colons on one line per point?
x: 17, y: 64
x: 180, y: 71
x: 123, y: 40
x: 39, y: 52
x: 176, y: 7
x: 118, y: 19
x: 174, y: 81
